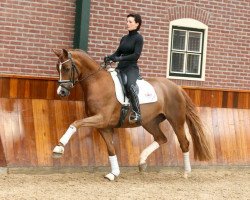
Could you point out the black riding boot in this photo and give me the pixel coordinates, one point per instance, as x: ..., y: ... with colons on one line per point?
x: 135, y: 116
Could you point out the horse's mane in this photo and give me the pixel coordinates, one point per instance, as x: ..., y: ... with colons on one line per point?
x: 85, y: 54
x: 78, y: 50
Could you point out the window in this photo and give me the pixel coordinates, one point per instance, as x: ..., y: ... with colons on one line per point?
x: 186, y: 59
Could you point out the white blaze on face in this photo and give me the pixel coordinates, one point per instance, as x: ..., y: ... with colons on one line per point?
x: 59, y: 90
x: 60, y: 75
x: 60, y: 78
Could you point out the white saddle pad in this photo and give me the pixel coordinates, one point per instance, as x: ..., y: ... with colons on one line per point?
x: 146, y: 94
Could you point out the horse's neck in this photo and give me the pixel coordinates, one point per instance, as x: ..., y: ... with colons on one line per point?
x: 94, y: 78
x: 88, y: 66
x: 92, y: 75
x: 95, y: 90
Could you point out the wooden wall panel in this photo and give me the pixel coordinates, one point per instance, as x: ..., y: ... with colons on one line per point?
x: 3, y: 162
x: 31, y: 128
x: 30, y: 88
x: 2, y: 156
x: 215, y: 98
x: 33, y: 119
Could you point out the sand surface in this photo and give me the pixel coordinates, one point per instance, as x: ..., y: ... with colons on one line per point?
x: 207, y: 184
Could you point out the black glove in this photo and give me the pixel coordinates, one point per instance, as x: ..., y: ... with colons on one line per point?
x: 115, y: 59
x: 106, y: 59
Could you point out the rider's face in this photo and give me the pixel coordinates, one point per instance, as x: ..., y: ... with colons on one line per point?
x: 131, y: 24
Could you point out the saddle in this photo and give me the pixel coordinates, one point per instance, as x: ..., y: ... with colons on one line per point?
x: 145, y: 92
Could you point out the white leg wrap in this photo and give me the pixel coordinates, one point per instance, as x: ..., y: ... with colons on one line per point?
x: 187, y: 166
x: 114, y: 165
x: 115, y: 171
x: 146, y: 152
x: 65, y: 138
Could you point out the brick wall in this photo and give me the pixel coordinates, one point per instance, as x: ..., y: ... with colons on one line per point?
x: 29, y: 30
x: 228, y: 57
x: 32, y: 28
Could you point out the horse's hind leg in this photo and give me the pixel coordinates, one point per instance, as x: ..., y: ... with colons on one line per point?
x: 152, y: 127
x: 107, y: 135
x: 178, y: 126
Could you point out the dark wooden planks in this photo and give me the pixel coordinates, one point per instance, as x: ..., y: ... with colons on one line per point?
x: 33, y: 119
x: 42, y: 88
x: 219, y: 98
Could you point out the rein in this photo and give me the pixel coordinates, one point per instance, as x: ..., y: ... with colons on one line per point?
x: 103, y: 65
x: 86, y: 77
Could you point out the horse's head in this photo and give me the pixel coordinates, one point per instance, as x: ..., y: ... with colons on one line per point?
x: 68, y: 72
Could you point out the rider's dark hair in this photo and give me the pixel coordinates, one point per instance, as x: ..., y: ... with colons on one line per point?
x: 137, y: 18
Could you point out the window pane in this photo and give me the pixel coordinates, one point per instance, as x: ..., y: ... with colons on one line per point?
x: 194, y: 41
x: 179, y: 40
x: 177, y: 62
x: 193, y: 63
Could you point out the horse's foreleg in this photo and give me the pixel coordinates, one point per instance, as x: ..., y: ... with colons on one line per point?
x: 94, y: 121
x: 59, y: 149
x: 187, y: 165
x: 115, y: 170
x: 145, y: 153
x: 107, y: 135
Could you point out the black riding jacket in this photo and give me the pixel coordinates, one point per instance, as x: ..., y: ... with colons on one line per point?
x: 129, y: 51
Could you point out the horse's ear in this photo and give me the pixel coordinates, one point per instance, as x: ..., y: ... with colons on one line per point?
x: 65, y: 53
x: 57, y: 52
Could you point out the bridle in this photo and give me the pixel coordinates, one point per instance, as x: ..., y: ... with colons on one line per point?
x: 74, y: 70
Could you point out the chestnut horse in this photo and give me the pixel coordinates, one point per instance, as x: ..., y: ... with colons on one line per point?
x: 103, y: 110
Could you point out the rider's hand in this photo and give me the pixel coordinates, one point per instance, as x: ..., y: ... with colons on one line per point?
x: 115, y: 59
x: 107, y: 59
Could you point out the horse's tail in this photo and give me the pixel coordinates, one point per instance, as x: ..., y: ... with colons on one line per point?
x: 201, y: 145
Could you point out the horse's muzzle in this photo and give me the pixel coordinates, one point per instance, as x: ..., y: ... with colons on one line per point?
x: 63, y: 92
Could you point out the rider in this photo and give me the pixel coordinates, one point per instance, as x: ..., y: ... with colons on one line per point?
x: 127, y: 54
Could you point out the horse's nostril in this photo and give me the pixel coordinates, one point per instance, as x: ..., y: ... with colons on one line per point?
x: 62, y: 93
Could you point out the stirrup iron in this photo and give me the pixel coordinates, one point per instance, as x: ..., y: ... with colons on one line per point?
x: 134, y: 118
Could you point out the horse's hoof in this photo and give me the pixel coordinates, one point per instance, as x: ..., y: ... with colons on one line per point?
x: 186, y: 174
x: 58, y: 152
x: 110, y: 177
x: 143, y: 167
x: 57, y: 155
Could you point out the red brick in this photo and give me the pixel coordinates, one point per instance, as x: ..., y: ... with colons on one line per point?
x: 31, y: 29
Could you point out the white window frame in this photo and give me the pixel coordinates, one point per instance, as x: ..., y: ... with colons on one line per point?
x: 188, y: 23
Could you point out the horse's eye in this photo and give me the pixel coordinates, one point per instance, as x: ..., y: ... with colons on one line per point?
x: 66, y: 69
